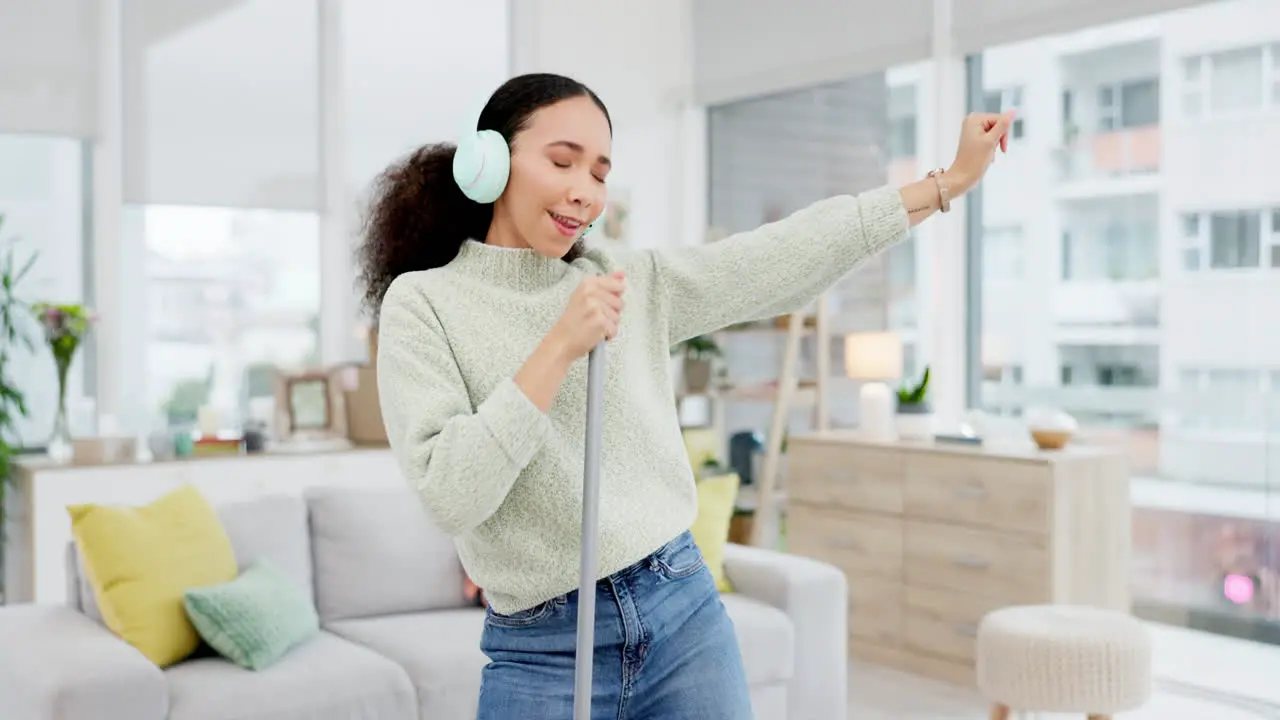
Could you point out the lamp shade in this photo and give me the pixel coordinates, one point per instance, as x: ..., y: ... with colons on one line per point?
x: 873, y: 356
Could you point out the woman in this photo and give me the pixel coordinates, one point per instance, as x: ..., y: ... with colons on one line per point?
x: 487, y: 311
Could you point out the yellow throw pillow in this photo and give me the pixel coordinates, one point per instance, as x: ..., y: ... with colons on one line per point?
x: 701, y: 444
x: 716, y: 499
x: 141, y: 560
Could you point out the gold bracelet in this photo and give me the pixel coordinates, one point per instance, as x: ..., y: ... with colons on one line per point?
x: 944, y: 189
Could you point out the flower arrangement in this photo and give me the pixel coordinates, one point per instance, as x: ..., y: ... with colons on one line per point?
x: 65, y: 328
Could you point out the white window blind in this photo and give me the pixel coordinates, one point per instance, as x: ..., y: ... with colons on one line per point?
x: 47, y: 59
x: 980, y: 24
x: 750, y: 48
x: 221, y: 103
x: 414, y: 77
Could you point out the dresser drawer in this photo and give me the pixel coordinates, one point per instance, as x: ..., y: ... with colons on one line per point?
x: 1014, y: 569
x: 944, y: 623
x: 842, y: 476
x: 1001, y: 495
x: 875, y: 610
x: 857, y: 543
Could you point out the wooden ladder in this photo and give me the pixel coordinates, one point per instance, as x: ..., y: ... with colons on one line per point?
x: 764, y: 531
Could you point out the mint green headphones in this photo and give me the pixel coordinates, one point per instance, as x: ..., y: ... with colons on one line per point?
x: 482, y: 166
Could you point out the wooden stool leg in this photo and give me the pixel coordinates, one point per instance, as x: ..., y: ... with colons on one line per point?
x: 999, y: 712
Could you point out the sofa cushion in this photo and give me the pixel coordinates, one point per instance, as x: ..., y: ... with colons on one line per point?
x: 327, y: 677
x: 375, y: 552
x: 765, y: 636
x: 272, y: 527
x: 439, y: 650
x: 256, y: 618
x: 140, y: 561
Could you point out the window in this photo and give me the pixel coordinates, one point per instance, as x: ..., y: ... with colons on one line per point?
x: 232, y: 293
x: 1002, y: 253
x: 1121, y: 250
x: 902, y: 121
x: 1234, y: 240
x: 1235, y: 81
x: 1136, y: 355
x: 43, y: 203
x: 1230, y: 240
x: 1007, y: 99
x: 1240, y: 80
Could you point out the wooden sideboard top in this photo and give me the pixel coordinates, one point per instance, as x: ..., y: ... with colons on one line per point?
x: 1026, y: 452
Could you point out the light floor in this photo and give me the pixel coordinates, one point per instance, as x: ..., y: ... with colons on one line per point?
x: 1198, y: 677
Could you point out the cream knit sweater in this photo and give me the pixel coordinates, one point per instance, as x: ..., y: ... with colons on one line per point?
x: 506, y: 479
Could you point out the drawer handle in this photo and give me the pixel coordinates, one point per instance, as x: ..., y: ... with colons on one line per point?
x: 971, y: 561
x: 971, y: 491
x: 965, y: 629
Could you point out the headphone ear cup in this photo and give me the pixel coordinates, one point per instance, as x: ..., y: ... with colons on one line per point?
x: 482, y: 166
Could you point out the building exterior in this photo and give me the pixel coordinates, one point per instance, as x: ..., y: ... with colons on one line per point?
x: 1131, y: 253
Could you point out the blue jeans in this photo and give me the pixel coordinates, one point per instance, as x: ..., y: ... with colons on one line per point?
x: 664, y: 649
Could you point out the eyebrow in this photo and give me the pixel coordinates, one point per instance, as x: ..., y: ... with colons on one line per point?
x: 603, y: 159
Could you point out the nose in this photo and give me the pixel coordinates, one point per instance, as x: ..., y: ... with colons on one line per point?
x: 584, y: 193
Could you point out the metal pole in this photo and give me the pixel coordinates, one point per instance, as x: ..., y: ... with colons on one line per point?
x: 590, y: 563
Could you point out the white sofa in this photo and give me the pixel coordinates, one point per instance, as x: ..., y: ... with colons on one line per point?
x: 398, y: 642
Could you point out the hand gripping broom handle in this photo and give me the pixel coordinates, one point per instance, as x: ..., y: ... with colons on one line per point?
x: 590, y: 537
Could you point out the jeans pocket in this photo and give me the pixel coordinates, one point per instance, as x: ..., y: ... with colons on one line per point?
x: 679, y: 558
x: 520, y: 618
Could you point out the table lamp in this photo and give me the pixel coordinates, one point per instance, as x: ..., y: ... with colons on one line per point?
x: 872, y: 359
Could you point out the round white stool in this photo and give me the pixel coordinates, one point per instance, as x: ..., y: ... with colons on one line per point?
x: 1065, y: 659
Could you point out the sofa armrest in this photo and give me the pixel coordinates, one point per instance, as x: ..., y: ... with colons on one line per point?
x: 56, y: 664
x: 814, y: 595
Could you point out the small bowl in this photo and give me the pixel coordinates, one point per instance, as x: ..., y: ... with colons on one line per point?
x: 1051, y: 439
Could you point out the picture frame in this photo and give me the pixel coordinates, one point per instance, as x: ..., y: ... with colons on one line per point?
x: 310, y: 409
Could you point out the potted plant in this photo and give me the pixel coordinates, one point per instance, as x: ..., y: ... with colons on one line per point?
x: 13, y: 335
x: 914, y: 418
x: 698, y: 353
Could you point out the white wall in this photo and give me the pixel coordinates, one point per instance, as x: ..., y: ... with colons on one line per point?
x: 637, y: 58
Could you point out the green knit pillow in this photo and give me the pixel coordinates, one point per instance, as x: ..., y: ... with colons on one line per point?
x: 256, y: 618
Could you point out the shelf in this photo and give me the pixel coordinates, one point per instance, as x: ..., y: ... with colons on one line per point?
x: 805, y: 394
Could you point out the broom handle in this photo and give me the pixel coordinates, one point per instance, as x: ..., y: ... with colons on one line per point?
x: 590, y: 536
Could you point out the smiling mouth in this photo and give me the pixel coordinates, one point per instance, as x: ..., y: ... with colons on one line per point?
x: 567, y: 225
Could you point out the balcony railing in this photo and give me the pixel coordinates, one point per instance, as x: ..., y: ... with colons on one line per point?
x: 1116, y: 154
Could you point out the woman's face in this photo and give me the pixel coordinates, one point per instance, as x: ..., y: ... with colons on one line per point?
x: 559, y: 164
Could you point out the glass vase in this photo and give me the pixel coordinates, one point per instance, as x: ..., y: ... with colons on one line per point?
x: 59, y: 448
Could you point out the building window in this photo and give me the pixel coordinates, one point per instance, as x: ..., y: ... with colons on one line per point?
x: 1235, y: 240
x: 1242, y: 80
x: 234, y: 293
x: 1007, y: 99
x: 1002, y: 253
x: 1230, y: 240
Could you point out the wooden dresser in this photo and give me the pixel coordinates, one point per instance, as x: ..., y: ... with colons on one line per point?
x: 934, y: 536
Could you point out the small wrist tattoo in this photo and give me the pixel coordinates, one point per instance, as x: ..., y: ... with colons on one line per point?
x: 922, y: 208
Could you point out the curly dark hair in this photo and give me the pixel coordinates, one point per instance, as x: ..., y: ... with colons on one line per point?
x: 418, y: 217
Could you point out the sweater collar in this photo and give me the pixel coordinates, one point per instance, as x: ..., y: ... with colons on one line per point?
x: 516, y: 268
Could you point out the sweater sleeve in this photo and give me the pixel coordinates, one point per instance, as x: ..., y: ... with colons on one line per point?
x: 461, y: 461
x: 778, y: 268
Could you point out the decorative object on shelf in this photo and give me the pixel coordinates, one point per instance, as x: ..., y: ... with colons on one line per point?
x: 65, y: 327
x: 873, y: 359
x: 13, y: 406
x: 914, y: 420
x: 1051, y: 429
x: 699, y: 354
x: 310, y: 411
